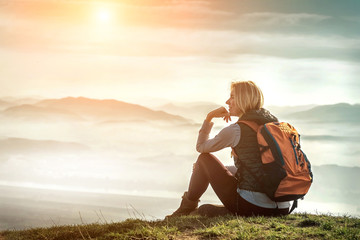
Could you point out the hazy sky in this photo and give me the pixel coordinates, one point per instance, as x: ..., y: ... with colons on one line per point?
x: 298, y: 51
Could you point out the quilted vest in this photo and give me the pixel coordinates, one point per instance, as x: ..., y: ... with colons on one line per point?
x: 248, y: 161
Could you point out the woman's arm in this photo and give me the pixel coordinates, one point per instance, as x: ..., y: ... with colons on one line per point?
x: 217, y: 113
x: 227, y: 137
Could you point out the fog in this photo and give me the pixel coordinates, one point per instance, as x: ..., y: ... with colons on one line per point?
x: 57, y: 167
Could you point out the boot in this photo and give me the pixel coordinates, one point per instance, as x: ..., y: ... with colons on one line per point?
x: 211, y: 210
x: 186, y: 207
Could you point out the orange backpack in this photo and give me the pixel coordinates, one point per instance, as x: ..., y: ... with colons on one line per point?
x: 287, y: 171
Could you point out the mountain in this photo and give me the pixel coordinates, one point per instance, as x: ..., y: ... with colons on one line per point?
x: 5, y: 104
x: 108, y: 110
x: 19, y: 101
x: 330, y: 113
x: 27, y: 146
x: 193, y: 110
x: 280, y: 111
x: 351, y: 138
x: 198, y: 110
x: 39, y: 114
x: 81, y: 108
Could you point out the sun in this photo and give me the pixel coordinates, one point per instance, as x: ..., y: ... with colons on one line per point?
x: 103, y: 15
x: 103, y: 23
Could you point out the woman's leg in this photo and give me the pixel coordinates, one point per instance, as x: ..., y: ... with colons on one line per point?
x: 247, y: 209
x: 209, y: 170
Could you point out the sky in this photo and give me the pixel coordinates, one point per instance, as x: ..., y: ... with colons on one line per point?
x: 298, y: 51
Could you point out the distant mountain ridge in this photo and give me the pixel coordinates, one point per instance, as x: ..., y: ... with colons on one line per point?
x: 317, y: 113
x: 343, y: 112
x: 27, y: 111
x: 194, y: 110
x: 13, y: 101
x: 4, y: 104
x: 27, y: 146
x: 90, y: 109
x: 286, y: 110
x: 110, y: 110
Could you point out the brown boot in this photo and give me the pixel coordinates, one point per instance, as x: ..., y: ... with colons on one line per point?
x: 186, y: 207
x: 211, y: 210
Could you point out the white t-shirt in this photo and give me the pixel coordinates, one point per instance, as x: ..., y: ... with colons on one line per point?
x: 230, y: 137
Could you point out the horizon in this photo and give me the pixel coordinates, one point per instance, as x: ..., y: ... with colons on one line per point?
x: 157, y: 101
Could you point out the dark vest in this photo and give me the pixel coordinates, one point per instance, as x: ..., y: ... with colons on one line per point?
x: 248, y: 162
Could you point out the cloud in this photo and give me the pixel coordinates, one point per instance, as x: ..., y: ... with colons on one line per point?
x: 355, y: 19
x: 273, y: 18
x: 141, y: 42
x: 178, y: 7
x: 174, y: 29
x: 150, y: 42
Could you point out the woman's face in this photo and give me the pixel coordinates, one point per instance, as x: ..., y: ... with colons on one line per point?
x: 233, y: 110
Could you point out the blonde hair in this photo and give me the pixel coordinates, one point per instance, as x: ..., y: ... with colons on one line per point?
x: 247, y: 96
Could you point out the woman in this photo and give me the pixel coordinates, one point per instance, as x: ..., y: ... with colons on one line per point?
x: 240, y: 194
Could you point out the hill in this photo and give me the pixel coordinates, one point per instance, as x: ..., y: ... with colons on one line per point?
x: 79, y: 109
x: 108, y: 110
x: 286, y: 110
x: 4, y: 104
x: 335, y: 112
x: 28, y: 146
x: 19, y: 101
x: 39, y: 114
x: 341, y: 112
x: 193, y: 110
x: 295, y: 226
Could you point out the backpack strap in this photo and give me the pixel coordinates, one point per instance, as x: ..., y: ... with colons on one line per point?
x: 294, y: 205
x: 253, y: 125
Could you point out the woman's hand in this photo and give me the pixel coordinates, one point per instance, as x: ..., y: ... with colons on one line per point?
x: 217, y: 113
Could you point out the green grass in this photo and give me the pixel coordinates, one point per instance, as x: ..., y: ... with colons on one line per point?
x: 295, y: 226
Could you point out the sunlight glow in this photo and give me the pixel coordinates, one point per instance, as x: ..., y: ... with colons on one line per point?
x: 102, y: 30
x: 103, y: 15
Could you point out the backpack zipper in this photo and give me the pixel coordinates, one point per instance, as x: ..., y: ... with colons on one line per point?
x: 294, y: 148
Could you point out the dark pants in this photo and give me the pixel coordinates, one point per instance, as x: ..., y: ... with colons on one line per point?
x: 209, y: 170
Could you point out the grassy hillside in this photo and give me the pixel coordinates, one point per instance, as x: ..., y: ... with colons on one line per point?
x: 295, y: 226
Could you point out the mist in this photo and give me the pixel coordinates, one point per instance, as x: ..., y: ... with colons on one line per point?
x: 57, y: 166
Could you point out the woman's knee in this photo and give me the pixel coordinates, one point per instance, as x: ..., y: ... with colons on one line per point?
x: 200, y: 163
x: 204, y: 160
x: 205, y: 157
